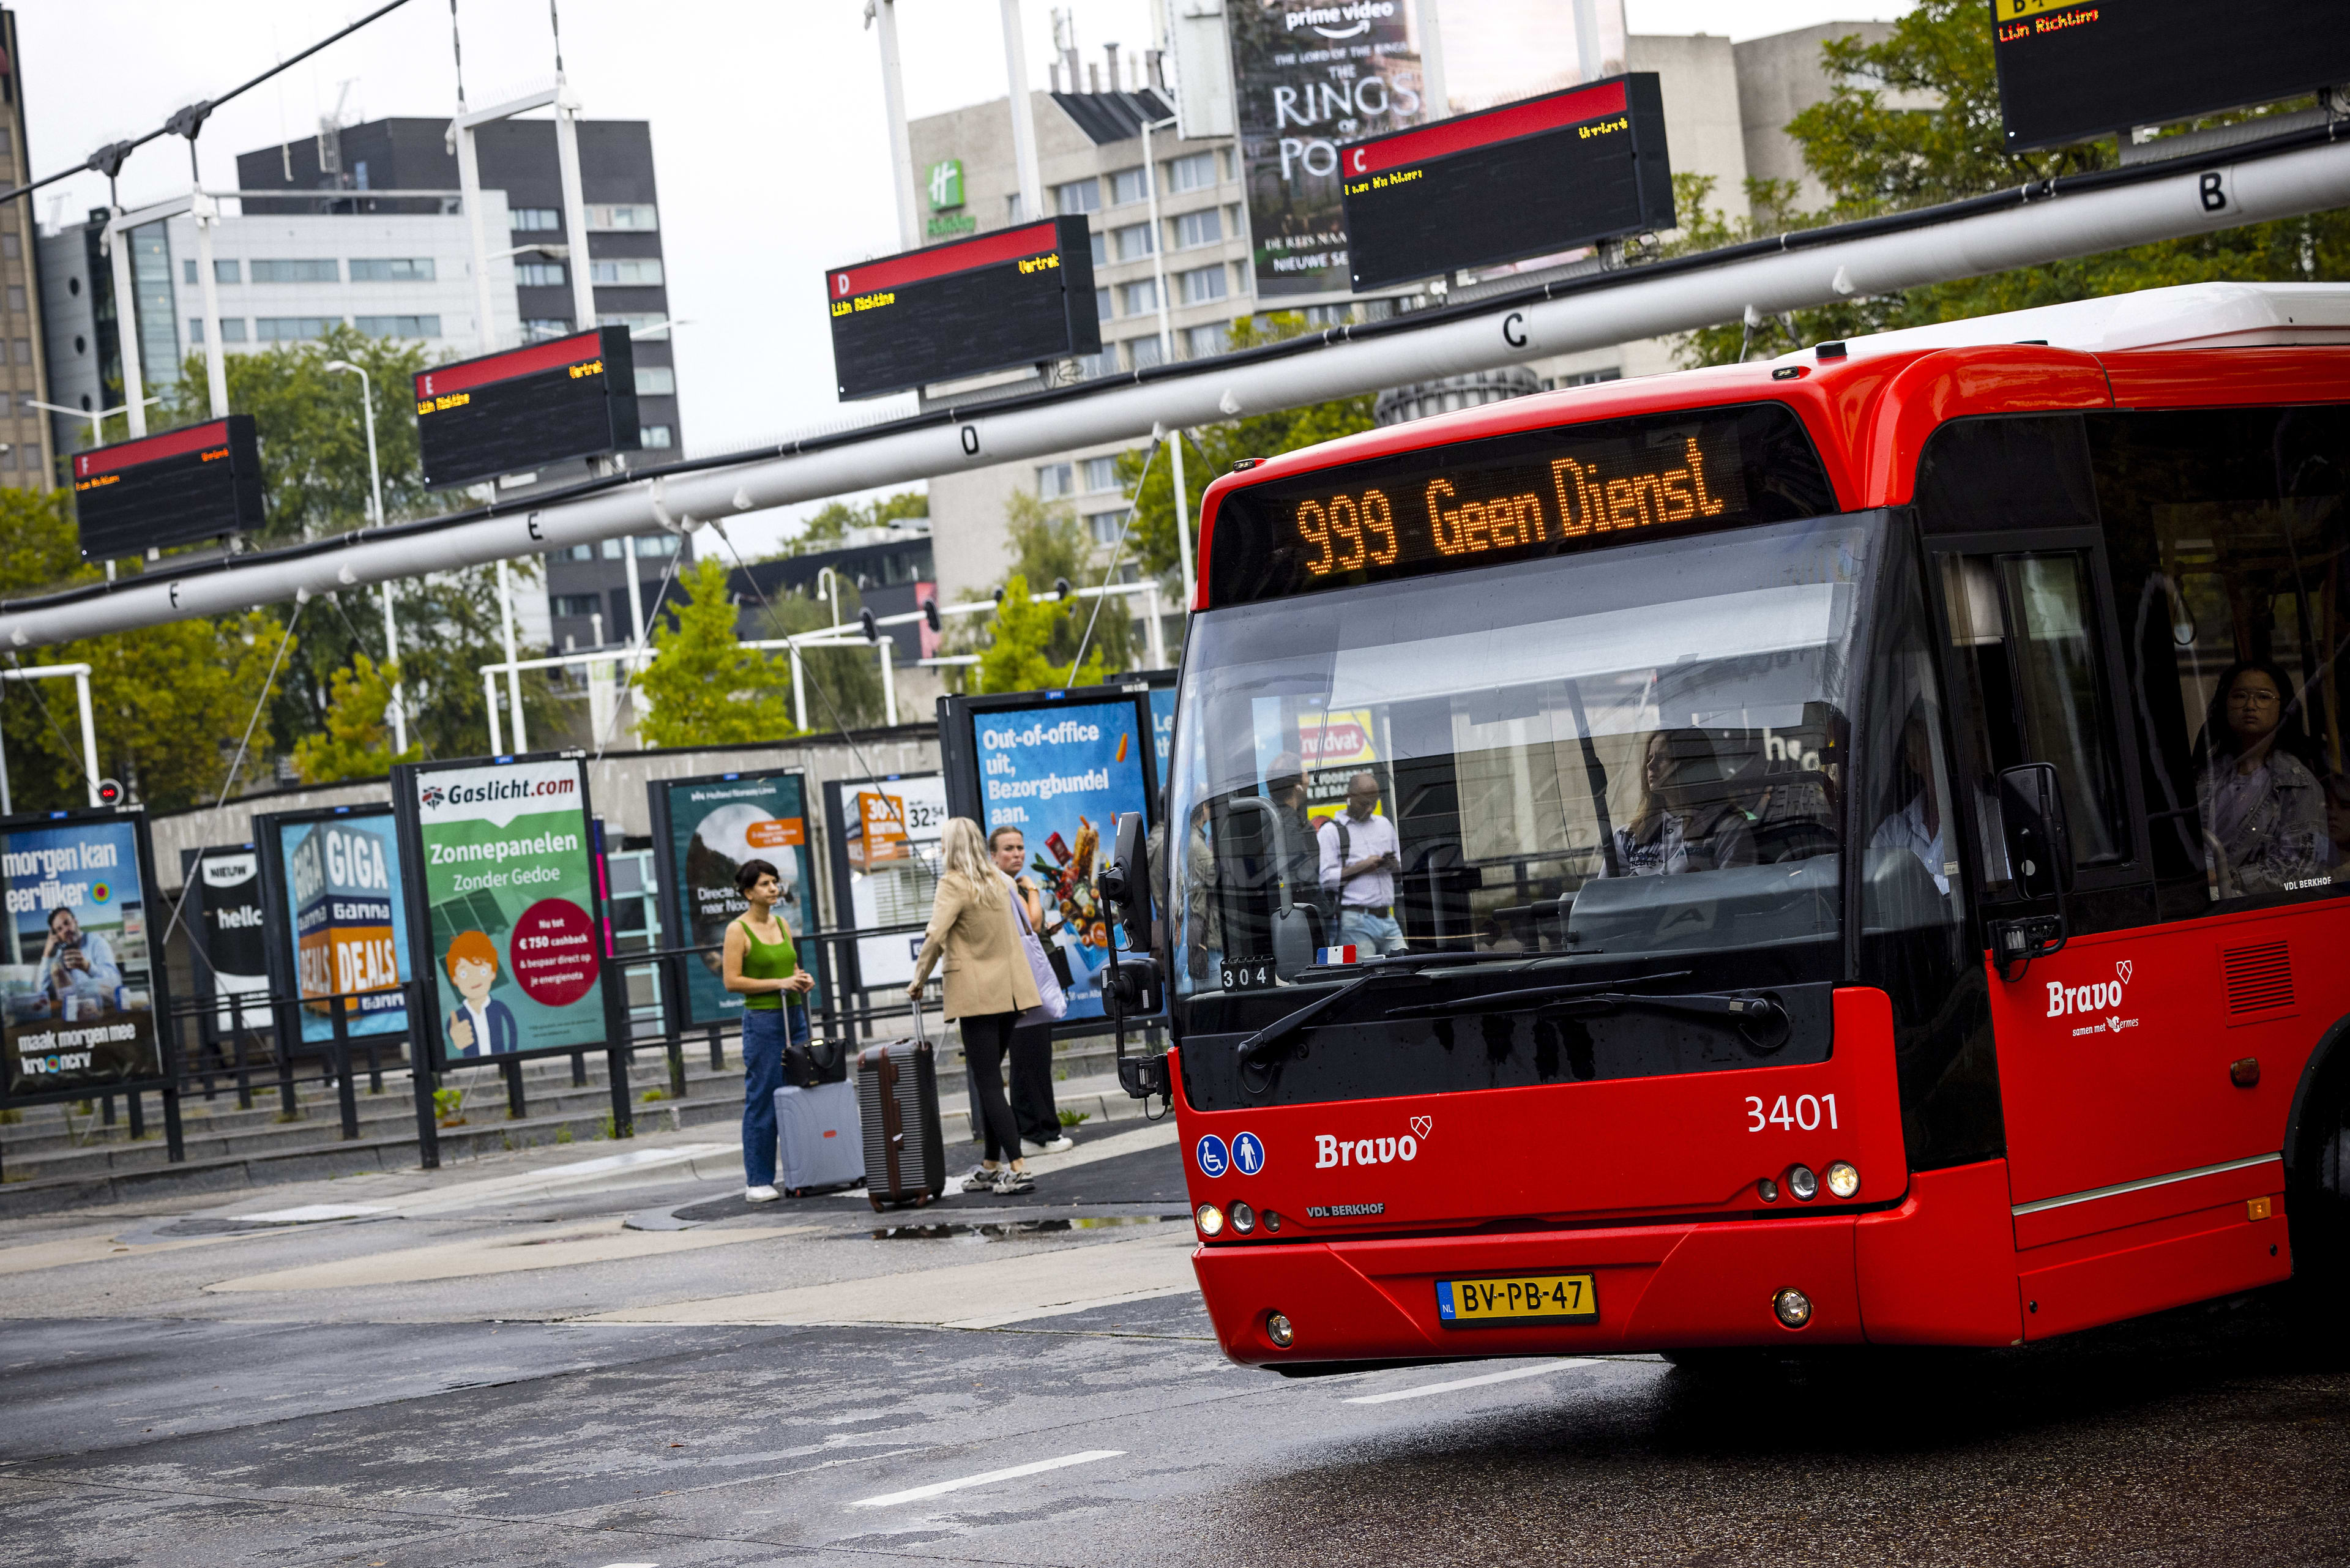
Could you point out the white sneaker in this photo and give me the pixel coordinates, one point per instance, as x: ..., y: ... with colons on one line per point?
x: 760, y: 1195
x: 1055, y: 1146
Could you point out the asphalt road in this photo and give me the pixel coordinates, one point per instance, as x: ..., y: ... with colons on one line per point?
x: 526, y: 1362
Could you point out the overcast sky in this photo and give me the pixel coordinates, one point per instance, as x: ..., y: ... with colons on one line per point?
x: 767, y: 127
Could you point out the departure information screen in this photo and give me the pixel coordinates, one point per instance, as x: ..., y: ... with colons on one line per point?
x: 993, y: 302
x: 2070, y: 70
x: 180, y: 487
x: 517, y: 411
x: 1527, y: 179
x: 1540, y: 493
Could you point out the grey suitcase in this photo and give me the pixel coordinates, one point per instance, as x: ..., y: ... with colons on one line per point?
x: 898, y: 1100
x: 820, y: 1142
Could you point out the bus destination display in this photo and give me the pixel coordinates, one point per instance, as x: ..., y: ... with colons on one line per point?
x: 994, y: 301
x: 2071, y: 71
x: 182, y: 487
x: 517, y: 411
x: 1542, y: 493
x: 1528, y: 179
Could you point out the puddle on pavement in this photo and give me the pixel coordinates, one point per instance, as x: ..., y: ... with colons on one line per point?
x: 1012, y: 1230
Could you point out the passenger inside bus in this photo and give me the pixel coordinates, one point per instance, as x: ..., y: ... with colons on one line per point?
x: 1686, y: 821
x: 2264, y: 820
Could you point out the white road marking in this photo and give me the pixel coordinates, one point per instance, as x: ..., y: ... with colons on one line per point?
x: 917, y: 1493
x: 1511, y: 1375
x: 313, y: 1213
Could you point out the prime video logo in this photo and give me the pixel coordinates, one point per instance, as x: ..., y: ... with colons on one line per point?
x: 1340, y: 21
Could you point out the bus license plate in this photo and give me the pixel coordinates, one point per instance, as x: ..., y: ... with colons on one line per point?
x: 1518, y: 1298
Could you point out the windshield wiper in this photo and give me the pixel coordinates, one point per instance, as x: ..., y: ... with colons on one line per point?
x: 1399, y: 966
x: 1760, y: 1018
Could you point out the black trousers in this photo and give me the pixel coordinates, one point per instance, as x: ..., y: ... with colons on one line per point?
x: 1031, y: 1084
x: 986, y: 1038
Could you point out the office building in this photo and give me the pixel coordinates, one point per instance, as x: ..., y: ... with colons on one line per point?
x: 27, y: 452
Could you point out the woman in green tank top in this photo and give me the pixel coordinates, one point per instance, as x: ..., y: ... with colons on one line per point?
x: 761, y: 963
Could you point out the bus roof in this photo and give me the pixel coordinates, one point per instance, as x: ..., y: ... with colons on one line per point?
x: 1869, y: 402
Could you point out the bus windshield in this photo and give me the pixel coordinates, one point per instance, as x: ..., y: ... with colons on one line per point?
x: 1633, y: 750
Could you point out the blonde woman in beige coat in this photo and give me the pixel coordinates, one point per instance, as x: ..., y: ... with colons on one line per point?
x: 988, y: 984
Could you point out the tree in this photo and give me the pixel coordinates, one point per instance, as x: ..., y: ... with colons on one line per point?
x: 705, y: 688
x: 1018, y: 656
x: 1875, y: 157
x: 843, y: 684
x: 356, y: 744
x: 1150, y: 542
x: 829, y: 528
x: 169, y: 702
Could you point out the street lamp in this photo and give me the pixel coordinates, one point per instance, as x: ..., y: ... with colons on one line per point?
x: 375, y: 481
x: 94, y: 419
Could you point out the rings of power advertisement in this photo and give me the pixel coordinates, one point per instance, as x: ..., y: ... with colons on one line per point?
x: 77, y: 984
x: 1063, y: 773
x: 504, y: 905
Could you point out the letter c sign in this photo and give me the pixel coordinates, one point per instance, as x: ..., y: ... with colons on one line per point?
x: 1357, y: 160
x: 1513, y: 330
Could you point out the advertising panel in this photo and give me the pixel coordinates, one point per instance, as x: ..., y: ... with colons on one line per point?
x: 884, y: 865
x: 340, y: 879
x: 704, y: 829
x: 1061, y: 773
x: 78, y: 987
x: 222, y: 908
x: 1162, y: 726
x: 1306, y: 75
x: 504, y: 905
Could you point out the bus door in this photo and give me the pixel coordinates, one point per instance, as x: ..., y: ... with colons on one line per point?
x: 2103, y: 1053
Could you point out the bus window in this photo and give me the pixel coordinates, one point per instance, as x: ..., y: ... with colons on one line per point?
x: 2227, y: 536
x: 2024, y: 627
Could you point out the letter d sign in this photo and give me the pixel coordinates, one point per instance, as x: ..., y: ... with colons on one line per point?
x: 2213, y: 190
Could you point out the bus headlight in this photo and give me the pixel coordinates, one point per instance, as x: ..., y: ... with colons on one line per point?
x: 1211, y: 1218
x: 1792, y: 1307
x: 1278, y: 1330
x: 1803, y: 1183
x: 1844, y: 1179
x: 1243, y: 1218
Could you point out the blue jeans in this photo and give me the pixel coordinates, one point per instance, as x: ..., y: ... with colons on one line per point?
x: 1375, y: 934
x: 763, y: 1075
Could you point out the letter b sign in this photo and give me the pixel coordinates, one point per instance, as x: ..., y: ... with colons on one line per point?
x: 2212, y: 187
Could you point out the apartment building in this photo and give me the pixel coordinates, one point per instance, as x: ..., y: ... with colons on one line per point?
x: 27, y: 451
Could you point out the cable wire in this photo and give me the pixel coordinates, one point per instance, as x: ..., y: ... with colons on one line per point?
x: 1117, y: 551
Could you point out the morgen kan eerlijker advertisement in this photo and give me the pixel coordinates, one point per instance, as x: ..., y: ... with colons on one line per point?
x: 336, y: 879
x: 705, y: 829
x: 78, y: 987
x: 1062, y: 775
x: 504, y: 905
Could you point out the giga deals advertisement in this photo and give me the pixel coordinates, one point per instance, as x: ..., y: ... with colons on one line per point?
x: 77, y: 984
x: 1062, y: 775
x: 343, y: 887
x: 507, y: 887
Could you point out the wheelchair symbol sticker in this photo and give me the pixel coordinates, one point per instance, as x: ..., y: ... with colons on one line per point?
x: 1213, y: 1161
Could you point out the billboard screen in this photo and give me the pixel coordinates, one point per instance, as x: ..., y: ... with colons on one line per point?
x: 704, y: 829
x: 77, y: 984
x: 337, y: 880
x: 224, y: 907
x: 504, y: 909
x: 513, y: 412
x: 885, y: 865
x: 2072, y: 70
x: 993, y: 302
x: 1528, y: 179
x: 182, y: 487
x: 1307, y: 75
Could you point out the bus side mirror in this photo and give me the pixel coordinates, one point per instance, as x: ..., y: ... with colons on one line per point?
x: 1124, y: 882
x: 2031, y: 813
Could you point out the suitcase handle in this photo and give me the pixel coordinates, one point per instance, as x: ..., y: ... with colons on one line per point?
x: 920, y: 1035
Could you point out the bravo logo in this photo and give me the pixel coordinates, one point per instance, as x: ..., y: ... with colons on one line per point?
x: 1331, y: 1151
x: 2100, y: 997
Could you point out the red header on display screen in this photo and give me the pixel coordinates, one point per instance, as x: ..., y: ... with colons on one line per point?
x: 466, y: 374
x: 1465, y: 132
x: 938, y: 261
x: 151, y: 448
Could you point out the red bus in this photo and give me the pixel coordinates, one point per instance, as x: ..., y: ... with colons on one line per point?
x: 1849, y: 850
